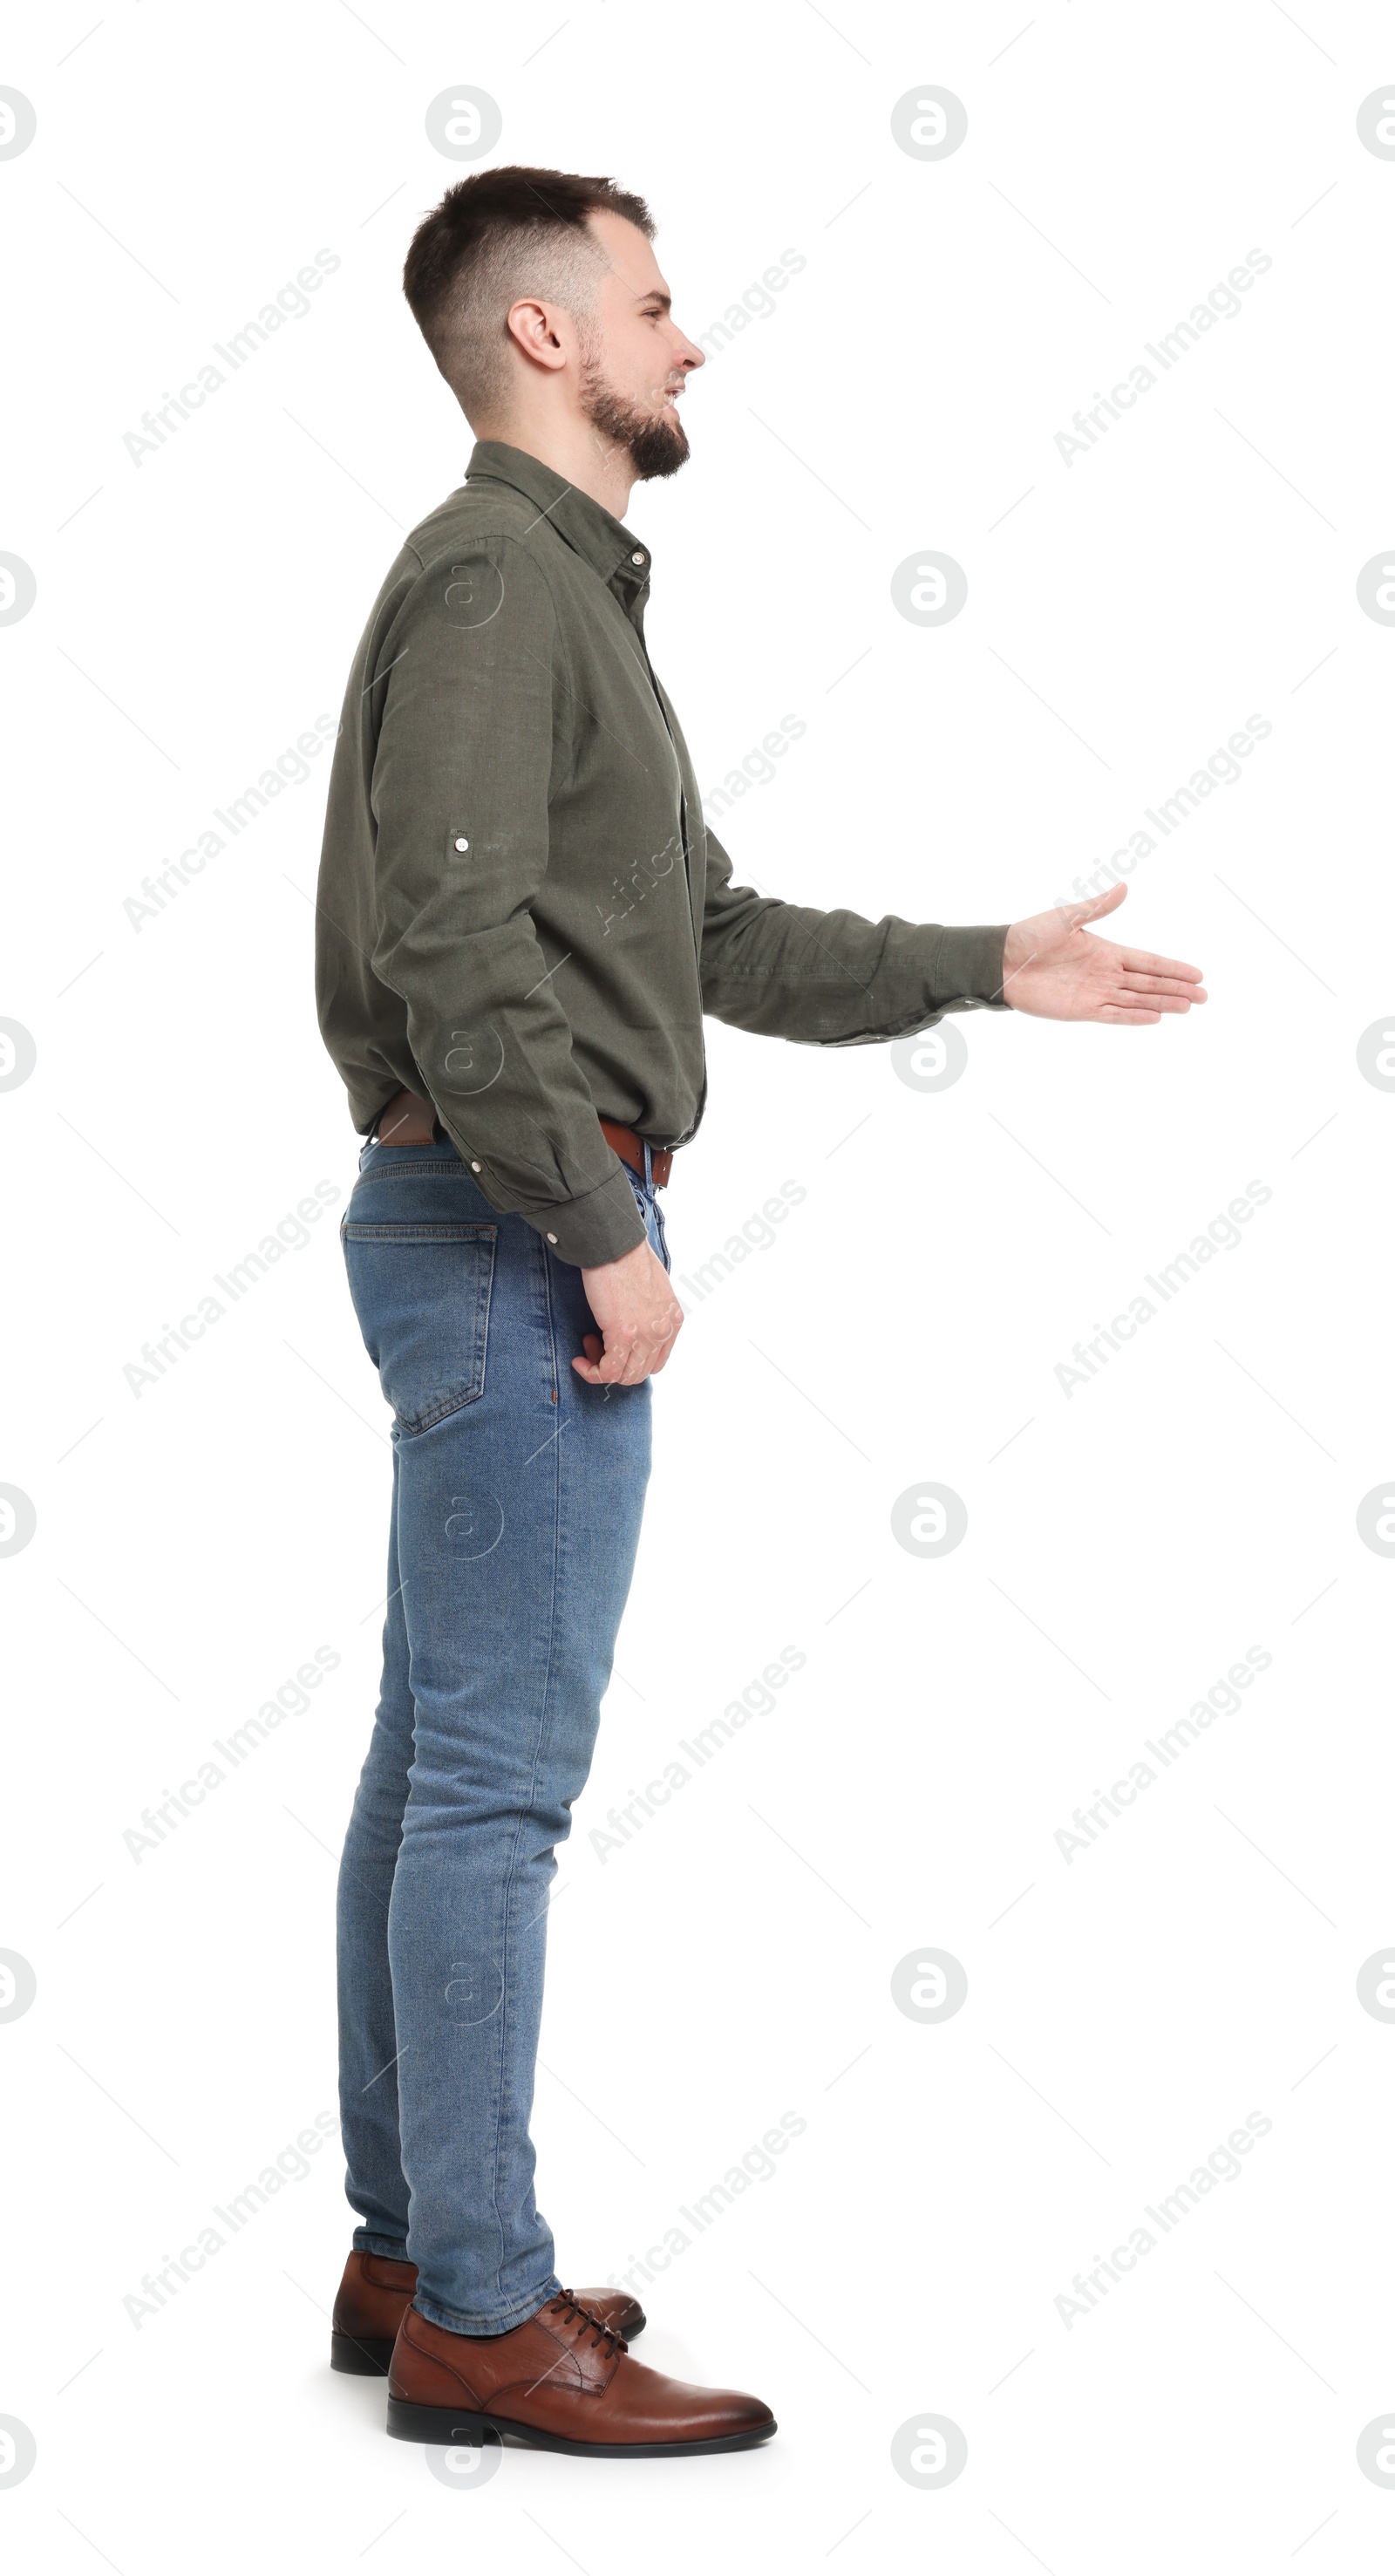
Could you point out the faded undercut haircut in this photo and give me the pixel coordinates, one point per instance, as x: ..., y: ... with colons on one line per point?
x: 493, y: 238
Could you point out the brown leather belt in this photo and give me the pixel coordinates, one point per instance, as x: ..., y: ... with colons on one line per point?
x: 630, y: 1148
x: 408, y: 1120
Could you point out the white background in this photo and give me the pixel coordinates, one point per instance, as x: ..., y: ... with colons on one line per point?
x: 1126, y: 1543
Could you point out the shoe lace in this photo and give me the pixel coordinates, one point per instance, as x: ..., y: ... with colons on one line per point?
x: 568, y: 2307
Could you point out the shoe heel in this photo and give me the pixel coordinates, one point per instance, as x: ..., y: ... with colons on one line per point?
x: 408, y: 2423
x: 366, y: 2356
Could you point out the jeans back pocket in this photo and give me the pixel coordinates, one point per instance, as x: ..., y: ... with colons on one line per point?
x: 421, y: 1293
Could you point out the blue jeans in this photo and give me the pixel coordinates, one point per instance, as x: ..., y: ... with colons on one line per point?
x: 516, y: 1501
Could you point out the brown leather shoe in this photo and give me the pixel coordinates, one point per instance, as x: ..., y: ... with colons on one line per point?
x: 376, y: 2292
x: 562, y: 2382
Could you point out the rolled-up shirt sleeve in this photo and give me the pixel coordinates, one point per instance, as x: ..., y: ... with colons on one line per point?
x: 460, y: 789
x: 833, y: 978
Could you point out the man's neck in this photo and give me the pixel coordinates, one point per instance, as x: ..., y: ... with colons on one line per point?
x: 600, y: 467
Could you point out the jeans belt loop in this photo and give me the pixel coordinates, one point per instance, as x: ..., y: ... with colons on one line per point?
x: 648, y: 1167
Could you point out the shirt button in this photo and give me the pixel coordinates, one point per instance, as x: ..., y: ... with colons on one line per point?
x: 462, y: 845
x: 475, y: 1167
x: 637, y: 559
x: 552, y: 1238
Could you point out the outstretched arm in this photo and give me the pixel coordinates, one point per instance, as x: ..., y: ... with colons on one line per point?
x: 834, y: 979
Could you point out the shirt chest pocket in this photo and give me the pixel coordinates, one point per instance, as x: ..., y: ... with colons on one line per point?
x: 421, y: 1293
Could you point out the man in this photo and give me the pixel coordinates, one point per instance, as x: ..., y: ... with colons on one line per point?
x: 522, y: 919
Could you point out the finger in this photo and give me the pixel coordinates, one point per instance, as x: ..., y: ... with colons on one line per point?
x: 1136, y: 978
x: 650, y: 1357
x: 639, y: 1361
x: 627, y: 1363
x: 1165, y: 1005
x: 1103, y: 903
x: 605, y: 1363
x: 1140, y: 961
x: 1152, y: 988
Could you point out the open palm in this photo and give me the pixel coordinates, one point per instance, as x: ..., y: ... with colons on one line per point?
x: 1055, y: 970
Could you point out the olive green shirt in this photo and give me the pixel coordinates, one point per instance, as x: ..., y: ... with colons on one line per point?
x: 522, y: 915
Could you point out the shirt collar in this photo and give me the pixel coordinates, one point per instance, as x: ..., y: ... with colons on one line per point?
x: 610, y: 549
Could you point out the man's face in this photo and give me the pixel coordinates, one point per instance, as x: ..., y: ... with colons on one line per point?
x: 634, y: 359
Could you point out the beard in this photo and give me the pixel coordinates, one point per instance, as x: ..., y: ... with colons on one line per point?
x: 655, y: 442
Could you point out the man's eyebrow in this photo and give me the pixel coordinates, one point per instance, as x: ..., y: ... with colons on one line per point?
x: 658, y: 295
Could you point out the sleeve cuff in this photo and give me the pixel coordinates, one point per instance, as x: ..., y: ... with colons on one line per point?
x: 600, y: 1226
x: 968, y: 970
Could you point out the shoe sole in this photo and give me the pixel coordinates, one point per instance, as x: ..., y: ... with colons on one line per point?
x: 442, y: 2425
x: 368, y: 2356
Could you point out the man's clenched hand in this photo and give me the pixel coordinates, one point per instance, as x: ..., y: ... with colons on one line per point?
x: 639, y: 1316
x: 1053, y: 969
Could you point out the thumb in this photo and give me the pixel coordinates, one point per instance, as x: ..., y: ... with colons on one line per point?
x: 1080, y: 913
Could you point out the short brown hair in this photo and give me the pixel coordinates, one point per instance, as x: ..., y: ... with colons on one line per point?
x: 494, y: 237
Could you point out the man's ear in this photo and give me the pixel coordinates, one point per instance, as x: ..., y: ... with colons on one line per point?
x: 532, y: 328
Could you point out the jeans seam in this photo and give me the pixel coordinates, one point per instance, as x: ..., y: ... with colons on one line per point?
x: 506, y: 2035
x: 428, y: 1421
